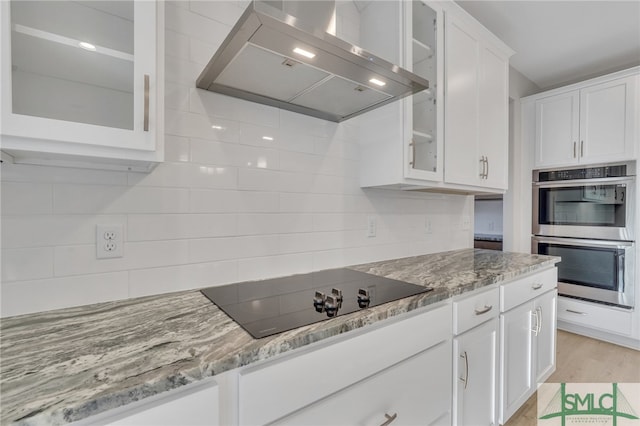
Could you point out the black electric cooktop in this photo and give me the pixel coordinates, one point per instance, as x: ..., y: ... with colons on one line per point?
x: 272, y: 306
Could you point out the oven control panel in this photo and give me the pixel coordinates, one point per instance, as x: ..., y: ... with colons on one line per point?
x: 584, y: 173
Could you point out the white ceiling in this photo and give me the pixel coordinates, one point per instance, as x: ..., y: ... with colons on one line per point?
x: 560, y: 42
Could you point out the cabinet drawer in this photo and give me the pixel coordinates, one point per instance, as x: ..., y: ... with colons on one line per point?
x: 519, y: 291
x: 413, y: 391
x: 591, y: 315
x: 469, y: 311
x: 276, y: 389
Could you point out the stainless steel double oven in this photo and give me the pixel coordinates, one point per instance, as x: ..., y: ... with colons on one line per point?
x: 586, y: 216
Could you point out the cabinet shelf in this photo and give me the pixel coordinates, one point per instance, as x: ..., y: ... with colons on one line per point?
x: 420, y: 135
x: 421, y: 51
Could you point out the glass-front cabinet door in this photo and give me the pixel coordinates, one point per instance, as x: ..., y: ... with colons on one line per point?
x: 79, y: 72
x: 423, y: 114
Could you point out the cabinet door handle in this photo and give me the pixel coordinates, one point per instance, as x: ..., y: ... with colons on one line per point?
x: 574, y: 149
x: 576, y: 312
x: 581, y: 148
x: 146, y: 102
x: 484, y: 310
x: 536, y: 286
x: 466, y: 369
x: 486, y: 174
x: 412, y: 144
x: 389, y: 419
x: 539, y: 310
x: 535, y: 329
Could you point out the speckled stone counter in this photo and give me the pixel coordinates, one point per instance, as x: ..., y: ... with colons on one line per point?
x: 66, y: 365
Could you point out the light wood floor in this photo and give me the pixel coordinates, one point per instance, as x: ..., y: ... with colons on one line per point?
x: 584, y: 360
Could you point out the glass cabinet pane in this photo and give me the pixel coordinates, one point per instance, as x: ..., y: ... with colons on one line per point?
x: 73, y: 61
x: 424, y: 63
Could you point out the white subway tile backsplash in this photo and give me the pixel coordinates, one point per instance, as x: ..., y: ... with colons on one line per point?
x: 192, y: 125
x: 194, y: 25
x: 176, y: 44
x: 224, y: 11
x: 176, y: 97
x: 212, y: 249
x: 247, y: 191
x: 187, y: 175
x: 158, y: 227
x: 27, y: 263
x: 257, y: 224
x: 22, y: 231
x: 176, y: 149
x: 229, y: 154
x: 79, y: 260
x: 55, y: 293
x: 225, y: 107
x: 274, y: 266
x: 25, y: 198
x: 87, y: 199
x: 48, y: 175
x: 258, y: 179
x: 146, y: 282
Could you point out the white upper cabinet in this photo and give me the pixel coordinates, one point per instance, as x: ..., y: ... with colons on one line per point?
x: 402, y: 143
x: 453, y: 136
x: 82, y: 83
x: 588, y: 123
x: 476, y: 106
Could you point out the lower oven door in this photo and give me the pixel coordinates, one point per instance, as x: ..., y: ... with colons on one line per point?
x: 595, y: 270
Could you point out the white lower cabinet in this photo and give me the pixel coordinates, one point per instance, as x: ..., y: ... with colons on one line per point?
x: 475, y: 375
x: 192, y: 405
x: 527, y: 341
x: 402, y: 369
x: 475, y: 357
x: 412, y: 392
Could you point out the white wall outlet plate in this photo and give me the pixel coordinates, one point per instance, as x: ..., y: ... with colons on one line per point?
x: 466, y: 223
x: 109, y: 241
x: 371, y: 226
x: 428, y: 226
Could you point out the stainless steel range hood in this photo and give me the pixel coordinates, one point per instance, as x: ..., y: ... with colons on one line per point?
x: 279, y: 53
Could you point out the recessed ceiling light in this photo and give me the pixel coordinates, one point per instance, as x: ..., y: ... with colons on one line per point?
x: 87, y: 46
x: 267, y: 138
x: 304, y: 53
x: 216, y: 127
x: 377, y: 82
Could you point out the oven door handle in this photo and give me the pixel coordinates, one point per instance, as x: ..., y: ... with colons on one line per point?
x: 583, y: 243
x: 583, y: 182
x: 621, y: 280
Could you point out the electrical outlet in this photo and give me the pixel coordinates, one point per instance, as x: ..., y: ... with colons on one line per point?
x: 466, y: 223
x: 371, y: 226
x: 109, y: 241
x: 428, y: 227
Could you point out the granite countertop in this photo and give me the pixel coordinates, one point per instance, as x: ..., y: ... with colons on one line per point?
x: 66, y: 365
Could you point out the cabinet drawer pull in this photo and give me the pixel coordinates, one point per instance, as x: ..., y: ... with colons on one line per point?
x: 484, y: 310
x: 146, y: 102
x: 486, y: 173
x: 536, y: 286
x: 389, y: 419
x: 576, y: 312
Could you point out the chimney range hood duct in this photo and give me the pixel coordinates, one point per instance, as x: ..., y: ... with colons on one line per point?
x: 279, y: 53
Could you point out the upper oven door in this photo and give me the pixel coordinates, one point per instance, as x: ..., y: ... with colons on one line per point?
x: 592, y: 208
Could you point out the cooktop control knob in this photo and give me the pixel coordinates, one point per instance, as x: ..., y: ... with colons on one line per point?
x: 337, y: 293
x: 331, y: 305
x: 363, y: 298
x: 319, y: 299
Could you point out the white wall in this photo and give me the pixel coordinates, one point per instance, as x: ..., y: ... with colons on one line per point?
x: 488, y: 217
x: 517, y: 200
x: 226, y: 205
